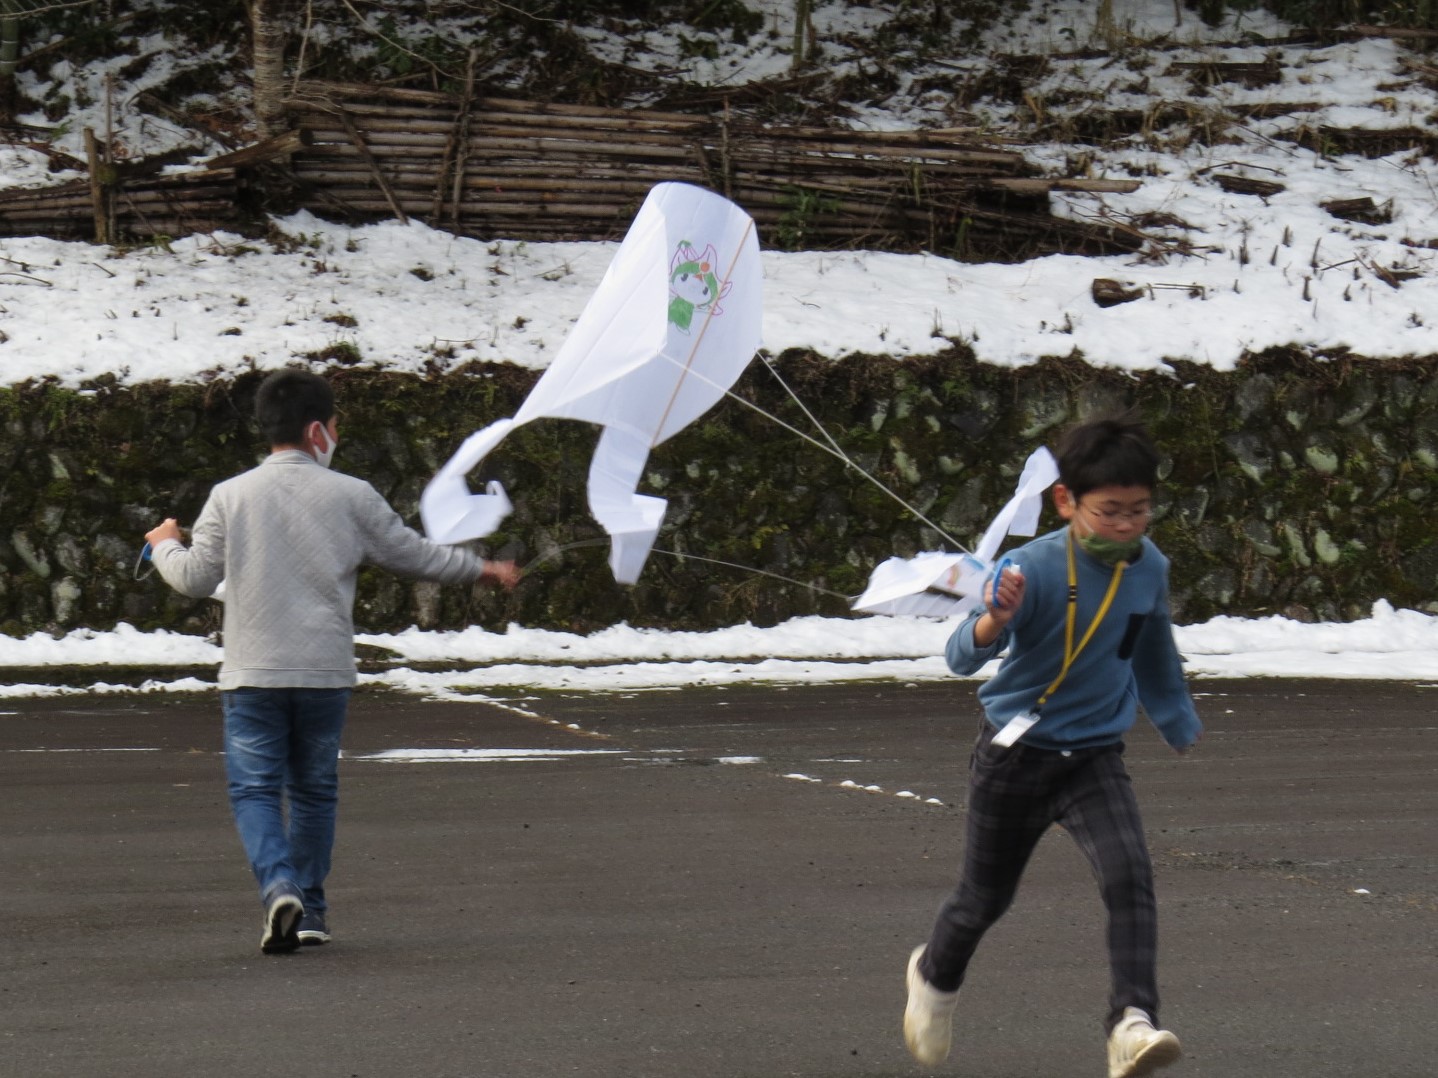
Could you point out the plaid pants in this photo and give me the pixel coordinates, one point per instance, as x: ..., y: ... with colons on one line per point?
x: 1014, y: 795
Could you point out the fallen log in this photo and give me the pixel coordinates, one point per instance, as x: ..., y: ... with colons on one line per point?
x: 1245, y: 185
x: 1110, y: 293
x: 1371, y: 142
x: 1036, y: 186
x: 1363, y: 210
x: 1252, y: 75
x: 282, y: 145
x: 16, y: 130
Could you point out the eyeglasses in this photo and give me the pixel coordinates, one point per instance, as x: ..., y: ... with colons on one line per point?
x: 1113, y: 516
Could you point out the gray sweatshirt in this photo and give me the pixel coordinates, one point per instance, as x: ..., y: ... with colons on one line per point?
x: 288, y: 538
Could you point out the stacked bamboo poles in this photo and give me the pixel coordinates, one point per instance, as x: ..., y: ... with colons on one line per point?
x: 499, y: 168
x: 493, y: 167
x: 144, y: 209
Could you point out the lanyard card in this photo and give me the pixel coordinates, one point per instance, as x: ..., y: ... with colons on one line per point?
x: 1014, y: 729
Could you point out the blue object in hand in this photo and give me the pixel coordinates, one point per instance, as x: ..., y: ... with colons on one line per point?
x: 998, y: 578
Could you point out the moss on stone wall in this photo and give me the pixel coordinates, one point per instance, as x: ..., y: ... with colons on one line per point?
x: 1296, y: 485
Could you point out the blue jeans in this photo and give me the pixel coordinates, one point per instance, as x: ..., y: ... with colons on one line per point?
x: 282, y: 742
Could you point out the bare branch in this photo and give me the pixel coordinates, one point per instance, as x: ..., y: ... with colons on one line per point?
x: 28, y: 277
x: 365, y: 26
x: 39, y: 7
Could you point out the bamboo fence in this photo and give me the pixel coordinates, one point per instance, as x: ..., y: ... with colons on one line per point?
x: 499, y: 168
x: 494, y: 167
x: 150, y: 208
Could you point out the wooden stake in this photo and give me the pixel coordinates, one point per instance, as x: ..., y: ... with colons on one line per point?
x: 359, y: 142
x: 97, y: 186
x: 464, y: 111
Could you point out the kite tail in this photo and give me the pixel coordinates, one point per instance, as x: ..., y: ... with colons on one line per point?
x: 631, y: 519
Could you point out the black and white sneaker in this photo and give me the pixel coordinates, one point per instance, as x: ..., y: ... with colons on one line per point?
x: 284, y: 906
x: 313, y: 931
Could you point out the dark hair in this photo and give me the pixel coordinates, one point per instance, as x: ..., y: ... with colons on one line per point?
x: 290, y: 400
x: 1114, y: 451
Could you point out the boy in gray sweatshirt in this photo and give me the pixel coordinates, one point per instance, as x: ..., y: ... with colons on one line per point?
x: 288, y: 538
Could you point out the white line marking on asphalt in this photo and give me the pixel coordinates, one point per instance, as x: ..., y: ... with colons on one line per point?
x: 423, y: 756
x: 82, y: 750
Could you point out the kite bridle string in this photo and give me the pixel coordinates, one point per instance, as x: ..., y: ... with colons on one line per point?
x: 837, y: 451
x: 832, y: 449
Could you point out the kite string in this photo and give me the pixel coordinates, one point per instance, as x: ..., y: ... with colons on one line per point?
x: 556, y: 551
x: 833, y: 451
x: 838, y: 450
x: 751, y: 569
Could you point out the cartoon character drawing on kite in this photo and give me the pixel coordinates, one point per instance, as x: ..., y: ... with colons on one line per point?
x: 693, y: 285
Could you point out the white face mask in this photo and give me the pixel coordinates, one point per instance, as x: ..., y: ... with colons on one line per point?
x: 325, y: 455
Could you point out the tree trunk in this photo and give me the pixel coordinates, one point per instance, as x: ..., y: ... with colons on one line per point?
x: 267, y: 24
x: 802, y: 12
x: 9, y: 55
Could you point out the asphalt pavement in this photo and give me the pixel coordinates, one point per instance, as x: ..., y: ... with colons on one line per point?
x: 707, y: 882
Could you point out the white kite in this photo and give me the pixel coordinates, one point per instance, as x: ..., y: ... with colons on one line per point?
x: 673, y: 323
x: 936, y: 584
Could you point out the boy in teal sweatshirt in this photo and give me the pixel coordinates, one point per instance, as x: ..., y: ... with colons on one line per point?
x: 1084, y: 618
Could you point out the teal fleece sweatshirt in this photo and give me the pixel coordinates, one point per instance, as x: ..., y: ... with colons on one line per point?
x: 1131, y: 659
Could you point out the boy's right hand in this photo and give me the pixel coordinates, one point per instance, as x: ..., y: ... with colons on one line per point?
x: 1004, y: 595
x: 166, y: 529
x: 1002, y: 598
x: 503, y: 573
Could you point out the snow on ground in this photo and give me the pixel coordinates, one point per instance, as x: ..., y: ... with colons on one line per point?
x: 1228, y: 273
x: 1390, y: 644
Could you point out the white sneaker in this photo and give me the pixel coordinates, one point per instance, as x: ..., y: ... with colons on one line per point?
x: 929, y: 1016
x: 1136, y: 1048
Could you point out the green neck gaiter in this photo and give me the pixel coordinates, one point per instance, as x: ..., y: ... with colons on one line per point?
x: 1109, y: 551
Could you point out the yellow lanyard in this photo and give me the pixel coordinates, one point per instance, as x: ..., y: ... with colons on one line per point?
x: 1070, y: 652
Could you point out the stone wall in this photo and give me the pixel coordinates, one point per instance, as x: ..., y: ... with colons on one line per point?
x: 1296, y: 485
